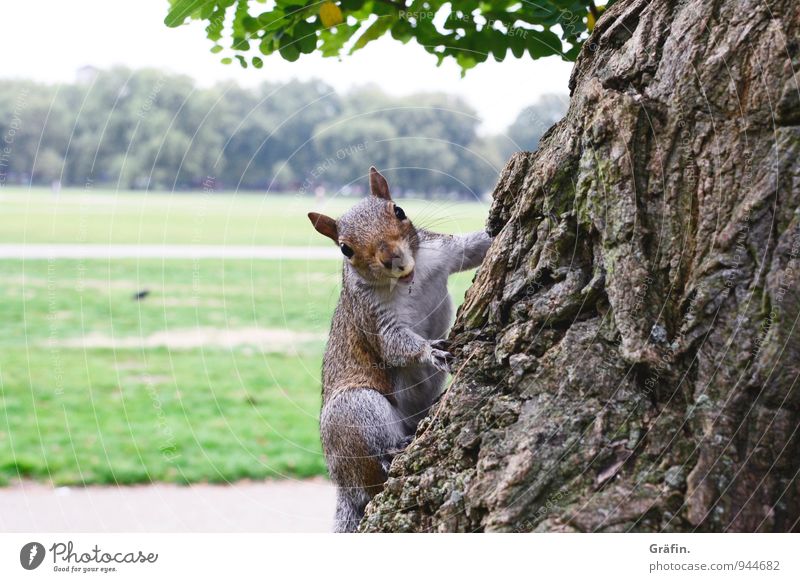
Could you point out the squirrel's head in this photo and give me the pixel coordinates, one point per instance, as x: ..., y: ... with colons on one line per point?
x: 376, y: 237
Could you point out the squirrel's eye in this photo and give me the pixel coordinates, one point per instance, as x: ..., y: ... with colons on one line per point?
x: 398, y: 212
x: 346, y: 250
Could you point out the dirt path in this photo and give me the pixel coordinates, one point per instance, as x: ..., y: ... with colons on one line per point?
x: 270, y: 506
x: 166, y: 251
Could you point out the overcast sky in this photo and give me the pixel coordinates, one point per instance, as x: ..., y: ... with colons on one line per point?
x: 48, y: 40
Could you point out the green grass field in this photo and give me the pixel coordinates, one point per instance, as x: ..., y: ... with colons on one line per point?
x: 109, y: 217
x: 214, y: 376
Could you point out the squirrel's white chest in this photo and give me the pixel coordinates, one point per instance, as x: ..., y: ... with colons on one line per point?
x: 425, y: 305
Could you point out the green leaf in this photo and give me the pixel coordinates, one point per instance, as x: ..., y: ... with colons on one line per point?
x: 351, y: 5
x: 452, y: 22
x: 250, y: 24
x: 305, y: 34
x: 375, y: 31
x: 289, y: 50
x: 258, y: 62
x: 572, y: 53
x: 333, y: 39
x: 517, y: 43
x: 465, y: 61
x: 498, y: 44
x: 181, y: 10
x: 215, y: 25
x: 266, y: 46
x: 272, y: 20
x: 543, y: 43
x: 240, y: 44
x: 402, y: 31
x: 206, y: 10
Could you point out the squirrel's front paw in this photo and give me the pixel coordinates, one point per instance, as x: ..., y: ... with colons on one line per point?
x: 441, y: 344
x: 441, y: 359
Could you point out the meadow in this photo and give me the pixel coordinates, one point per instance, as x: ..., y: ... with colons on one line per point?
x: 91, y: 216
x: 135, y: 371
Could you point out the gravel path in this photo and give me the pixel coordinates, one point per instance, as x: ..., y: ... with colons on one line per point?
x: 86, y: 251
x: 269, y: 506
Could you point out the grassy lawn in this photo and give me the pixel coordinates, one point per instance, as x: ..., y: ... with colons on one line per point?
x: 214, y: 376
x: 109, y: 217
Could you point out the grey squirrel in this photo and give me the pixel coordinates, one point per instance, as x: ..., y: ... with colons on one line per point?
x: 386, y: 360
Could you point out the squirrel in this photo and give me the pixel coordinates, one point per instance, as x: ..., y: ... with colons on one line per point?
x: 386, y: 361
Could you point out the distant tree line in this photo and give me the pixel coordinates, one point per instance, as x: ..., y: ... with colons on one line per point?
x: 150, y: 130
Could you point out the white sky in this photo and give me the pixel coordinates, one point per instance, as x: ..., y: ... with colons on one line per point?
x: 71, y: 33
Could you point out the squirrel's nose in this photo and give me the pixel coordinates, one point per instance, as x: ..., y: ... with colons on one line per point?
x: 394, y: 262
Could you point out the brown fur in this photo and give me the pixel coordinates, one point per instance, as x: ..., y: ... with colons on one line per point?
x: 352, y: 358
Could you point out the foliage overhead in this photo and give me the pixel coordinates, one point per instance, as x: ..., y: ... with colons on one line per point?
x: 468, y: 31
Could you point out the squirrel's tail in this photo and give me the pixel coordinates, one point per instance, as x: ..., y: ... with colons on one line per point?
x: 359, y: 429
x: 350, y: 504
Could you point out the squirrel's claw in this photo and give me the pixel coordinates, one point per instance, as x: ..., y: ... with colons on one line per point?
x: 400, y: 446
x: 441, y: 344
x: 441, y: 360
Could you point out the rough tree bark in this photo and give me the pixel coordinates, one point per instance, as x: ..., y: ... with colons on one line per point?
x: 628, y: 354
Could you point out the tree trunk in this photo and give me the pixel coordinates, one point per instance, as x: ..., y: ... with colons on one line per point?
x: 628, y: 355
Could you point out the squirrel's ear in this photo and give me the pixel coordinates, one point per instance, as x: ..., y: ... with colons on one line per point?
x: 325, y: 225
x: 378, y: 184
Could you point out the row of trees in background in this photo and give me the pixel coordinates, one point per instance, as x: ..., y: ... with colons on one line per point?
x: 150, y: 130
